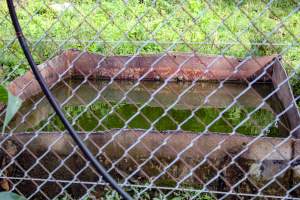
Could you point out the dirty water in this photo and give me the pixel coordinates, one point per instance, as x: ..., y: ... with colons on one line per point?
x: 98, y: 105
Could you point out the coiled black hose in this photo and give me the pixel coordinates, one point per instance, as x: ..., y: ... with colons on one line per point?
x: 98, y: 167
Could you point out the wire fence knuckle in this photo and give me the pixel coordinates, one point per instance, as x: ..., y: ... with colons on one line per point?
x: 175, y: 99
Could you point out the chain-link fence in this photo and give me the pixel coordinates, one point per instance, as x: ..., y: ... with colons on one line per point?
x: 176, y: 99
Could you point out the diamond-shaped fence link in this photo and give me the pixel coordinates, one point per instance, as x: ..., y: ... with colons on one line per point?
x: 176, y: 99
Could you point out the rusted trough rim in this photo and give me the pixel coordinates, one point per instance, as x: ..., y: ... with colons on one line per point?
x: 73, y: 63
x: 180, y: 138
x: 256, y: 149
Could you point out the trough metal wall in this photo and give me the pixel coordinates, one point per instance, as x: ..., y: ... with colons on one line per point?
x: 140, y: 78
x: 240, y: 161
x: 192, y: 68
x: 219, y: 163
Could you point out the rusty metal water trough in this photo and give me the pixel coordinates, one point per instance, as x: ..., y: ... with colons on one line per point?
x: 246, y: 163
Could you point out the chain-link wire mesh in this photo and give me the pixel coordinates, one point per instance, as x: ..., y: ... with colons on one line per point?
x: 177, y: 99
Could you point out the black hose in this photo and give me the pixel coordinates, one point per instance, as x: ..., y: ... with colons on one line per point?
x: 98, y: 167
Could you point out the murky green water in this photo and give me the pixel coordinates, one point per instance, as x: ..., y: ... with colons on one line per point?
x: 89, y: 121
x: 191, y: 113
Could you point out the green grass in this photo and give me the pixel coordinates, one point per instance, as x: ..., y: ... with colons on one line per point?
x: 163, y: 22
x: 109, y: 194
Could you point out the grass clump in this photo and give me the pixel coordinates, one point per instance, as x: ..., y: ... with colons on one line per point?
x: 117, y: 28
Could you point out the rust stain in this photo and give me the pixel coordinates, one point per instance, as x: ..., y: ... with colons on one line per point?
x: 182, y: 67
x: 171, y: 67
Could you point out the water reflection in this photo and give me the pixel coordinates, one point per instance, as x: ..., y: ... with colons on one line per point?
x: 205, y: 99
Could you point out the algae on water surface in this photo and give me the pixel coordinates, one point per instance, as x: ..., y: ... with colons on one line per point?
x: 164, y: 110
